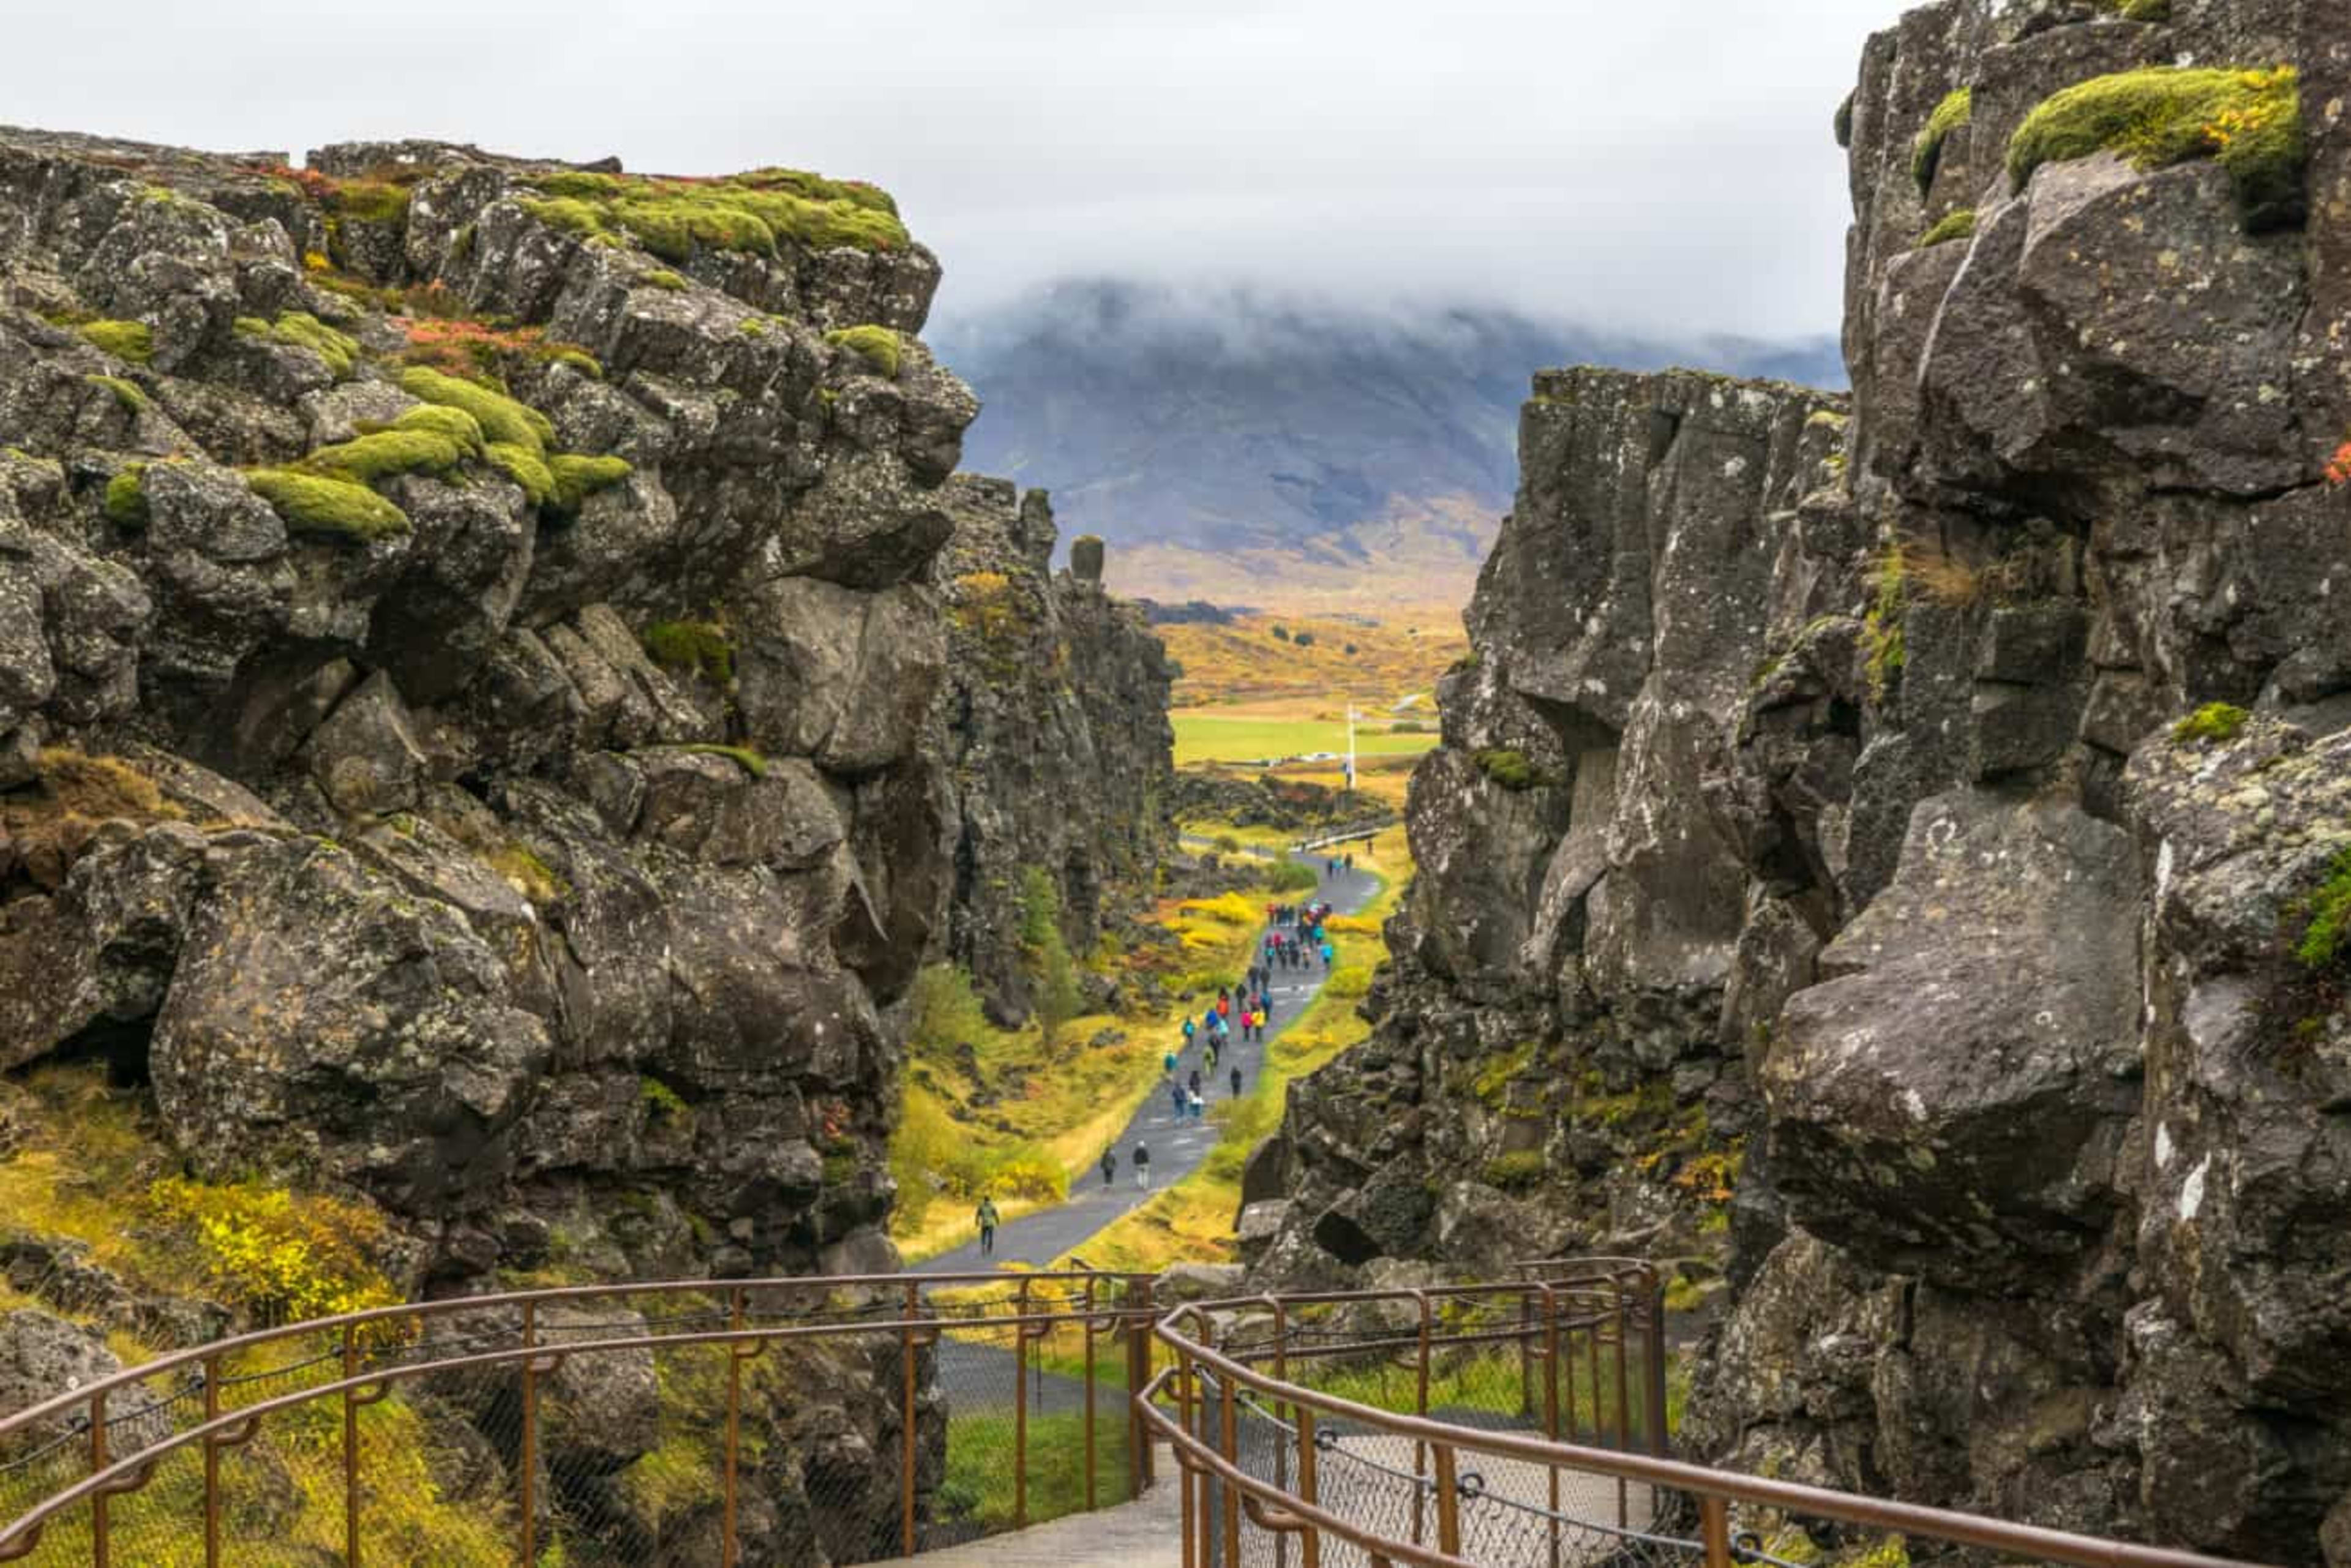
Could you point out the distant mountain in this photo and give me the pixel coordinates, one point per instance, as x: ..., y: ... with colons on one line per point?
x: 1213, y: 432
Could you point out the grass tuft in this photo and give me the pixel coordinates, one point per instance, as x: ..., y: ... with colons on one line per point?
x: 2249, y: 119
x: 132, y: 401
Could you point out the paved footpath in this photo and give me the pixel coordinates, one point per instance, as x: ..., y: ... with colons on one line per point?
x: 1144, y: 1533
x: 1176, y: 1147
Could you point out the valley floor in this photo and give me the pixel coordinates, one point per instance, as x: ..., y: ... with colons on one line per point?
x: 1177, y: 1148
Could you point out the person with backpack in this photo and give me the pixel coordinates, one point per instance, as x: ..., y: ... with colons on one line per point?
x: 986, y: 1218
x: 1175, y: 1095
x: 1195, y: 1077
x: 1326, y: 958
x: 1142, y: 1163
x: 1109, y: 1168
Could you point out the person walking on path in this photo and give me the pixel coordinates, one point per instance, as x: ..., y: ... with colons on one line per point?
x: 1142, y: 1163
x: 1175, y: 1092
x: 1195, y: 1077
x: 1326, y: 958
x: 1237, y: 1082
x: 1167, y: 1063
x: 985, y: 1219
x: 1109, y: 1168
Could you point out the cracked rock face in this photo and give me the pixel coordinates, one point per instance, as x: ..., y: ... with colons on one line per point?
x: 1811, y: 827
x: 568, y: 837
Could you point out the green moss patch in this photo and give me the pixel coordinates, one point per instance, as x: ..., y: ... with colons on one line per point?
x: 1958, y: 108
x: 2213, y: 722
x: 126, y: 393
x: 126, y: 497
x: 525, y: 467
x: 665, y: 280
x: 300, y: 329
x: 128, y: 340
x: 453, y: 423
x: 501, y: 418
x: 1949, y: 226
x: 700, y: 646
x: 577, y: 477
x: 879, y: 347
x: 336, y: 508
x: 1514, y: 1172
x: 1512, y: 770
x: 2327, y: 937
x: 751, y: 761
x: 387, y: 455
x: 2251, y: 120
x: 752, y: 212
x: 1881, y: 627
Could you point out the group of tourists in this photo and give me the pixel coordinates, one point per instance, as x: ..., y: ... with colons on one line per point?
x: 1294, y: 939
x: 1297, y: 938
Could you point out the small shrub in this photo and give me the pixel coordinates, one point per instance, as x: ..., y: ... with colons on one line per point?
x: 2214, y: 721
x: 1291, y: 877
x: 1303, y: 639
x: 128, y: 340
x: 879, y: 347
x: 1282, y: 633
x: 280, y: 1256
x: 314, y: 504
x: 2338, y: 468
x: 1957, y: 110
x: 1052, y: 972
x: 700, y: 646
x: 1959, y: 224
x: 2327, y: 937
x: 2249, y: 119
x: 126, y: 497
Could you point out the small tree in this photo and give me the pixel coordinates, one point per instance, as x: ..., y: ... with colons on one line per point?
x: 1052, y: 972
x: 1282, y: 633
x: 1304, y: 639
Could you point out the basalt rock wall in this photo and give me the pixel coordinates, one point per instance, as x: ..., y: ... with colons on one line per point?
x: 514, y: 807
x: 1913, y: 867
x: 1056, y: 740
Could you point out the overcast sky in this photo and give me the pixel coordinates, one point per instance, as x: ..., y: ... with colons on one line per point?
x: 1638, y: 163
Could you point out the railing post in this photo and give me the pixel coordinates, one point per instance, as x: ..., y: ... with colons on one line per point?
x: 351, y: 1448
x: 728, y: 1529
x: 1020, y: 1409
x: 212, y: 1464
x: 1714, y: 1531
x: 1624, y: 1405
x: 1088, y: 1337
x: 1660, y: 1440
x: 1551, y: 1404
x: 1310, y: 1544
x: 1138, y: 1375
x: 1229, y: 1428
x: 1448, y: 1502
x: 529, y: 1435
x: 1420, y: 1407
x: 1281, y: 1412
x: 101, y: 1532
x: 906, y: 1457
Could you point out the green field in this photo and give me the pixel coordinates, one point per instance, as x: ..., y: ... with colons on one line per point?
x: 1203, y: 735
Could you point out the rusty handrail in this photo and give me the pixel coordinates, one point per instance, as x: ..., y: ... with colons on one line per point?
x: 111, y: 1475
x: 1713, y: 1487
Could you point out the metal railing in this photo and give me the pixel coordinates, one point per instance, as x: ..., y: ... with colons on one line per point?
x: 834, y: 1419
x: 1526, y: 1425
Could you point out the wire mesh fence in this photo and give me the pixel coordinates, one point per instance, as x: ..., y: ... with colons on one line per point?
x: 781, y: 1423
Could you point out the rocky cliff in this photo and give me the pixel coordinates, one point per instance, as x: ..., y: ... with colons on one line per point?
x: 1056, y: 738
x: 469, y: 638
x: 1916, y: 844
